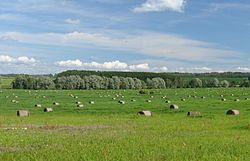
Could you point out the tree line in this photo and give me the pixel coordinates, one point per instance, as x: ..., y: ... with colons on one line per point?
x: 115, y: 82
x: 144, y: 75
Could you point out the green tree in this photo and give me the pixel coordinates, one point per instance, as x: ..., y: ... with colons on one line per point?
x: 195, y: 83
x: 224, y: 83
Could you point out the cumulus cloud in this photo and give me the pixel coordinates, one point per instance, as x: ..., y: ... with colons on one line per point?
x: 161, y: 5
x: 112, y: 65
x: 72, y: 21
x: 6, y: 59
x: 69, y: 63
x: 243, y: 69
x: 202, y: 68
x: 21, y: 59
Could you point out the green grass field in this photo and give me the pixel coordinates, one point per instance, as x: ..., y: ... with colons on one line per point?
x: 108, y: 130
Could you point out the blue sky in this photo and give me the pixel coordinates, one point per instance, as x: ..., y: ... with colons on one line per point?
x: 49, y: 36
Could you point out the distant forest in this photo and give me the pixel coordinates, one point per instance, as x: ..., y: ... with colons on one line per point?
x: 86, y: 80
x: 144, y: 75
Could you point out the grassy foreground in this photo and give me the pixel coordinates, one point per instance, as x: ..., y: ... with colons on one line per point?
x: 108, y: 130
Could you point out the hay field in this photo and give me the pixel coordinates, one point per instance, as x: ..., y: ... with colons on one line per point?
x: 109, y: 130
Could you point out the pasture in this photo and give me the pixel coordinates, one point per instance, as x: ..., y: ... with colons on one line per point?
x: 109, y: 130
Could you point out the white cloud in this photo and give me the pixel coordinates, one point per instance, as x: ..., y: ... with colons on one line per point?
x: 73, y: 21
x: 69, y: 63
x: 202, y: 68
x: 112, y: 65
x: 243, y: 69
x: 144, y: 66
x: 153, y: 44
x: 26, y: 60
x: 164, y: 69
x: 6, y: 59
x: 21, y: 59
x: 161, y: 5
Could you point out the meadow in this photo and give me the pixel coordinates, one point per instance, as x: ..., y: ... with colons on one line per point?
x: 107, y: 130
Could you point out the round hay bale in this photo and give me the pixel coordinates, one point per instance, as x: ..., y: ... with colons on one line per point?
x: 203, y: 97
x: 38, y: 105
x: 13, y: 101
x: 246, y: 98
x: 80, y: 105
x: 48, y: 110
x: 121, y: 102
x: 224, y: 99
x: 23, y: 113
x: 175, y: 107
x: 91, y: 102
x: 183, y: 99
x: 78, y: 102
x: 145, y: 113
x: 194, y: 96
x: 194, y: 114
x: 233, y: 112
x: 133, y: 100
x: 56, y: 103
x: 237, y: 100
x: 168, y: 101
x: 149, y: 101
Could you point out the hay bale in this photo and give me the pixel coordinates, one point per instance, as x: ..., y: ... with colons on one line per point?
x: 80, y: 105
x: 223, y: 99
x: 121, y: 102
x: 246, y: 98
x: 145, y: 113
x: 91, y: 102
x: 194, y: 96
x: 23, y: 113
x: 183, y: 99
x: 194, y: 114
x: 133, y: 100
x: 149, y: 101
x: 168, y: 101
x: 56, y: 103
x: 13, y: 101
x: 173, y: 106
x: 38, y: 105
x: 78, y: 102
x: 237, y: 100
x: 233, y: 112
x: 48, y: 110
x: 203, y: 97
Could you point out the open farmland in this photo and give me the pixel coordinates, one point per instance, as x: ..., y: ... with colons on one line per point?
x: 109, y: 130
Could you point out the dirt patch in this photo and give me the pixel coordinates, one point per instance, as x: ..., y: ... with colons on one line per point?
x: 55, y: 127
x: 7, y: 149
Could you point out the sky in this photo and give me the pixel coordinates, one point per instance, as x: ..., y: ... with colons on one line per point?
x: 50, y: 36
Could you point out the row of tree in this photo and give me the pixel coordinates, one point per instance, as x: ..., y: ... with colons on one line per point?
x: 115, y: 82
